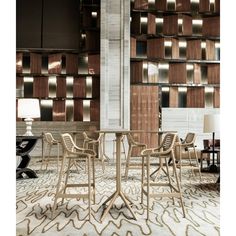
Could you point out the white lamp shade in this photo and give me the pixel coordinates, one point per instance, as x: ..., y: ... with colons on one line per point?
x: 211, y: 123
x: 28, y: 108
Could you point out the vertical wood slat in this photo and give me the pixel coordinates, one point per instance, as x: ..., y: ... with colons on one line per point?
x: 197, y: 74
x: 55, y: 63
x: 216, y: 101
x: 72, y: 63
x: 213, y: 73
x: 177, y: 73
x: 94, y: 110
x: 155, y: 48
x: 132, y: 47
x: 194, y: 49
x: 141, y: 4
x: 59, y: 111
x: 170, y: 24
x: 136, y: 72
x: 183, y: 5
x: 173, y: 97
x: 40, y: 87
x: 79, y: 88
x: 187, y: 25
x: 78, y: 110
x: 161, y: 5
x: 196, y: 97
x: 35, y: 63
x: 94, y: 64
x: 96, y: 88
x: 204, y: 6
x: 151, y: 27
x: 61, y: 87
x: 211, y: 26
x: 210, y: 50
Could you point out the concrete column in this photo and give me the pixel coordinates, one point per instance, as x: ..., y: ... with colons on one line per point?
x: 115, y: 65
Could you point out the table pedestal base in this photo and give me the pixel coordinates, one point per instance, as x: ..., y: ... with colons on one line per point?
x: 112, y: 199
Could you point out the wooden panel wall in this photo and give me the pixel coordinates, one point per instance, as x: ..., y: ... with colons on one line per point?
x: 144, y: 113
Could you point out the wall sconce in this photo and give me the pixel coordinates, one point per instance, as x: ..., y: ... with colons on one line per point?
x: 28, y: 109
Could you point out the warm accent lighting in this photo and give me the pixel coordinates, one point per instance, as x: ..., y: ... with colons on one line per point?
x: 28, y: 109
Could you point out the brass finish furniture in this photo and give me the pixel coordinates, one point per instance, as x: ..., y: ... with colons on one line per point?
x: 164, y: 151
x: 72, y: 152
x: 49, y: 142
x: 132, y: 144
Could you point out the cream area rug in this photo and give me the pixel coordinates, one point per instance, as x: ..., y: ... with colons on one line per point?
x: 34, y: 199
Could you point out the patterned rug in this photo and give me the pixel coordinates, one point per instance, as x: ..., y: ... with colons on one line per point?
x: 34, y: 199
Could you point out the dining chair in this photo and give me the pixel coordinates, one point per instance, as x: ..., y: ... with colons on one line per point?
x: 132, y: 144
x: 49, y: 142
x: 186, y: 155
x: 72, y: 152
x: 163, y: 152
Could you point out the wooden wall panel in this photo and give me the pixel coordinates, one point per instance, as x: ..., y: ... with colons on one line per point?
x: 211, y: 26
x: 35, y: 63
x: 183, y: 5
x: 61, y: 87
x: 136, y: 71
x: 187, y: 25
x: 94, y: 110
x: 96, y: 88
x: 213, y: 73
x: 141, y: 4
x: 177, y: 73
x: 94, y: 64
x: 144, y: 113
x: 151, y: 27
x: 40, y: 87
x: 197, y: 74
x: 72, y: 63
x: 170, y: 24
x: 132, y: 47
x: 55, y: 63
x: 216, y: 101
x: 79, y: 88
x: 173, y: 97
x: 155, y: 48
x: 59, y: 110
x: 78, y: 110
x: 161, y: 5
x: 196, y: 97
x: 194, y: 49
x: 204, y: 6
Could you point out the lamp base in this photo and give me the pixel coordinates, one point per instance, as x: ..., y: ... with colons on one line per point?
x: 28, y: 122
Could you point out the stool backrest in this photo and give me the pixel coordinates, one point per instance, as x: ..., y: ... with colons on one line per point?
x: 49, y: 138
x: 190, y: 138
x: 168, y: 142
x: 67, y: 142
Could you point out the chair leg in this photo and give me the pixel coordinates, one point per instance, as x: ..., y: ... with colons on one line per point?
x: 43, y: 158
x: 148, y: 185
x: 58, y: 154
x: 199, y: 170
x: 58, y: 187
x: 89, y: 189
x: 142, y: 180
x: 93, y: 169
x: 169, y: 179
x: 67, y: 176
x: 178, y: 186
x: 128, y: 162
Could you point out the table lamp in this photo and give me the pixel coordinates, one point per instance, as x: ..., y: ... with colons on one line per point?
x: 28, y: 108
x: 212, y: 125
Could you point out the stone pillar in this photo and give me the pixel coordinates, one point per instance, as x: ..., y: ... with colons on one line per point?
x: 115, y: 65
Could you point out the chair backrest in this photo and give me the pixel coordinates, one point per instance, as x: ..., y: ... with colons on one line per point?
x: 67, y: 142
x: 208, y: 143
x: 130, y: 139
x: 168, y: 141
x: 49, y: 138
x: 190, y: 138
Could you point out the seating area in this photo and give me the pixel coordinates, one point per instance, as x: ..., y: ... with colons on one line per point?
x: 117, y: 110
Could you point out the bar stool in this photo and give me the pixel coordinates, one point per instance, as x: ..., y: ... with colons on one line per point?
x: 132, y: 144
x: 97, y: 146
x: 49, y: 142
x: 186, y: 155
x: 164, y: 151
x: 72, y: 152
